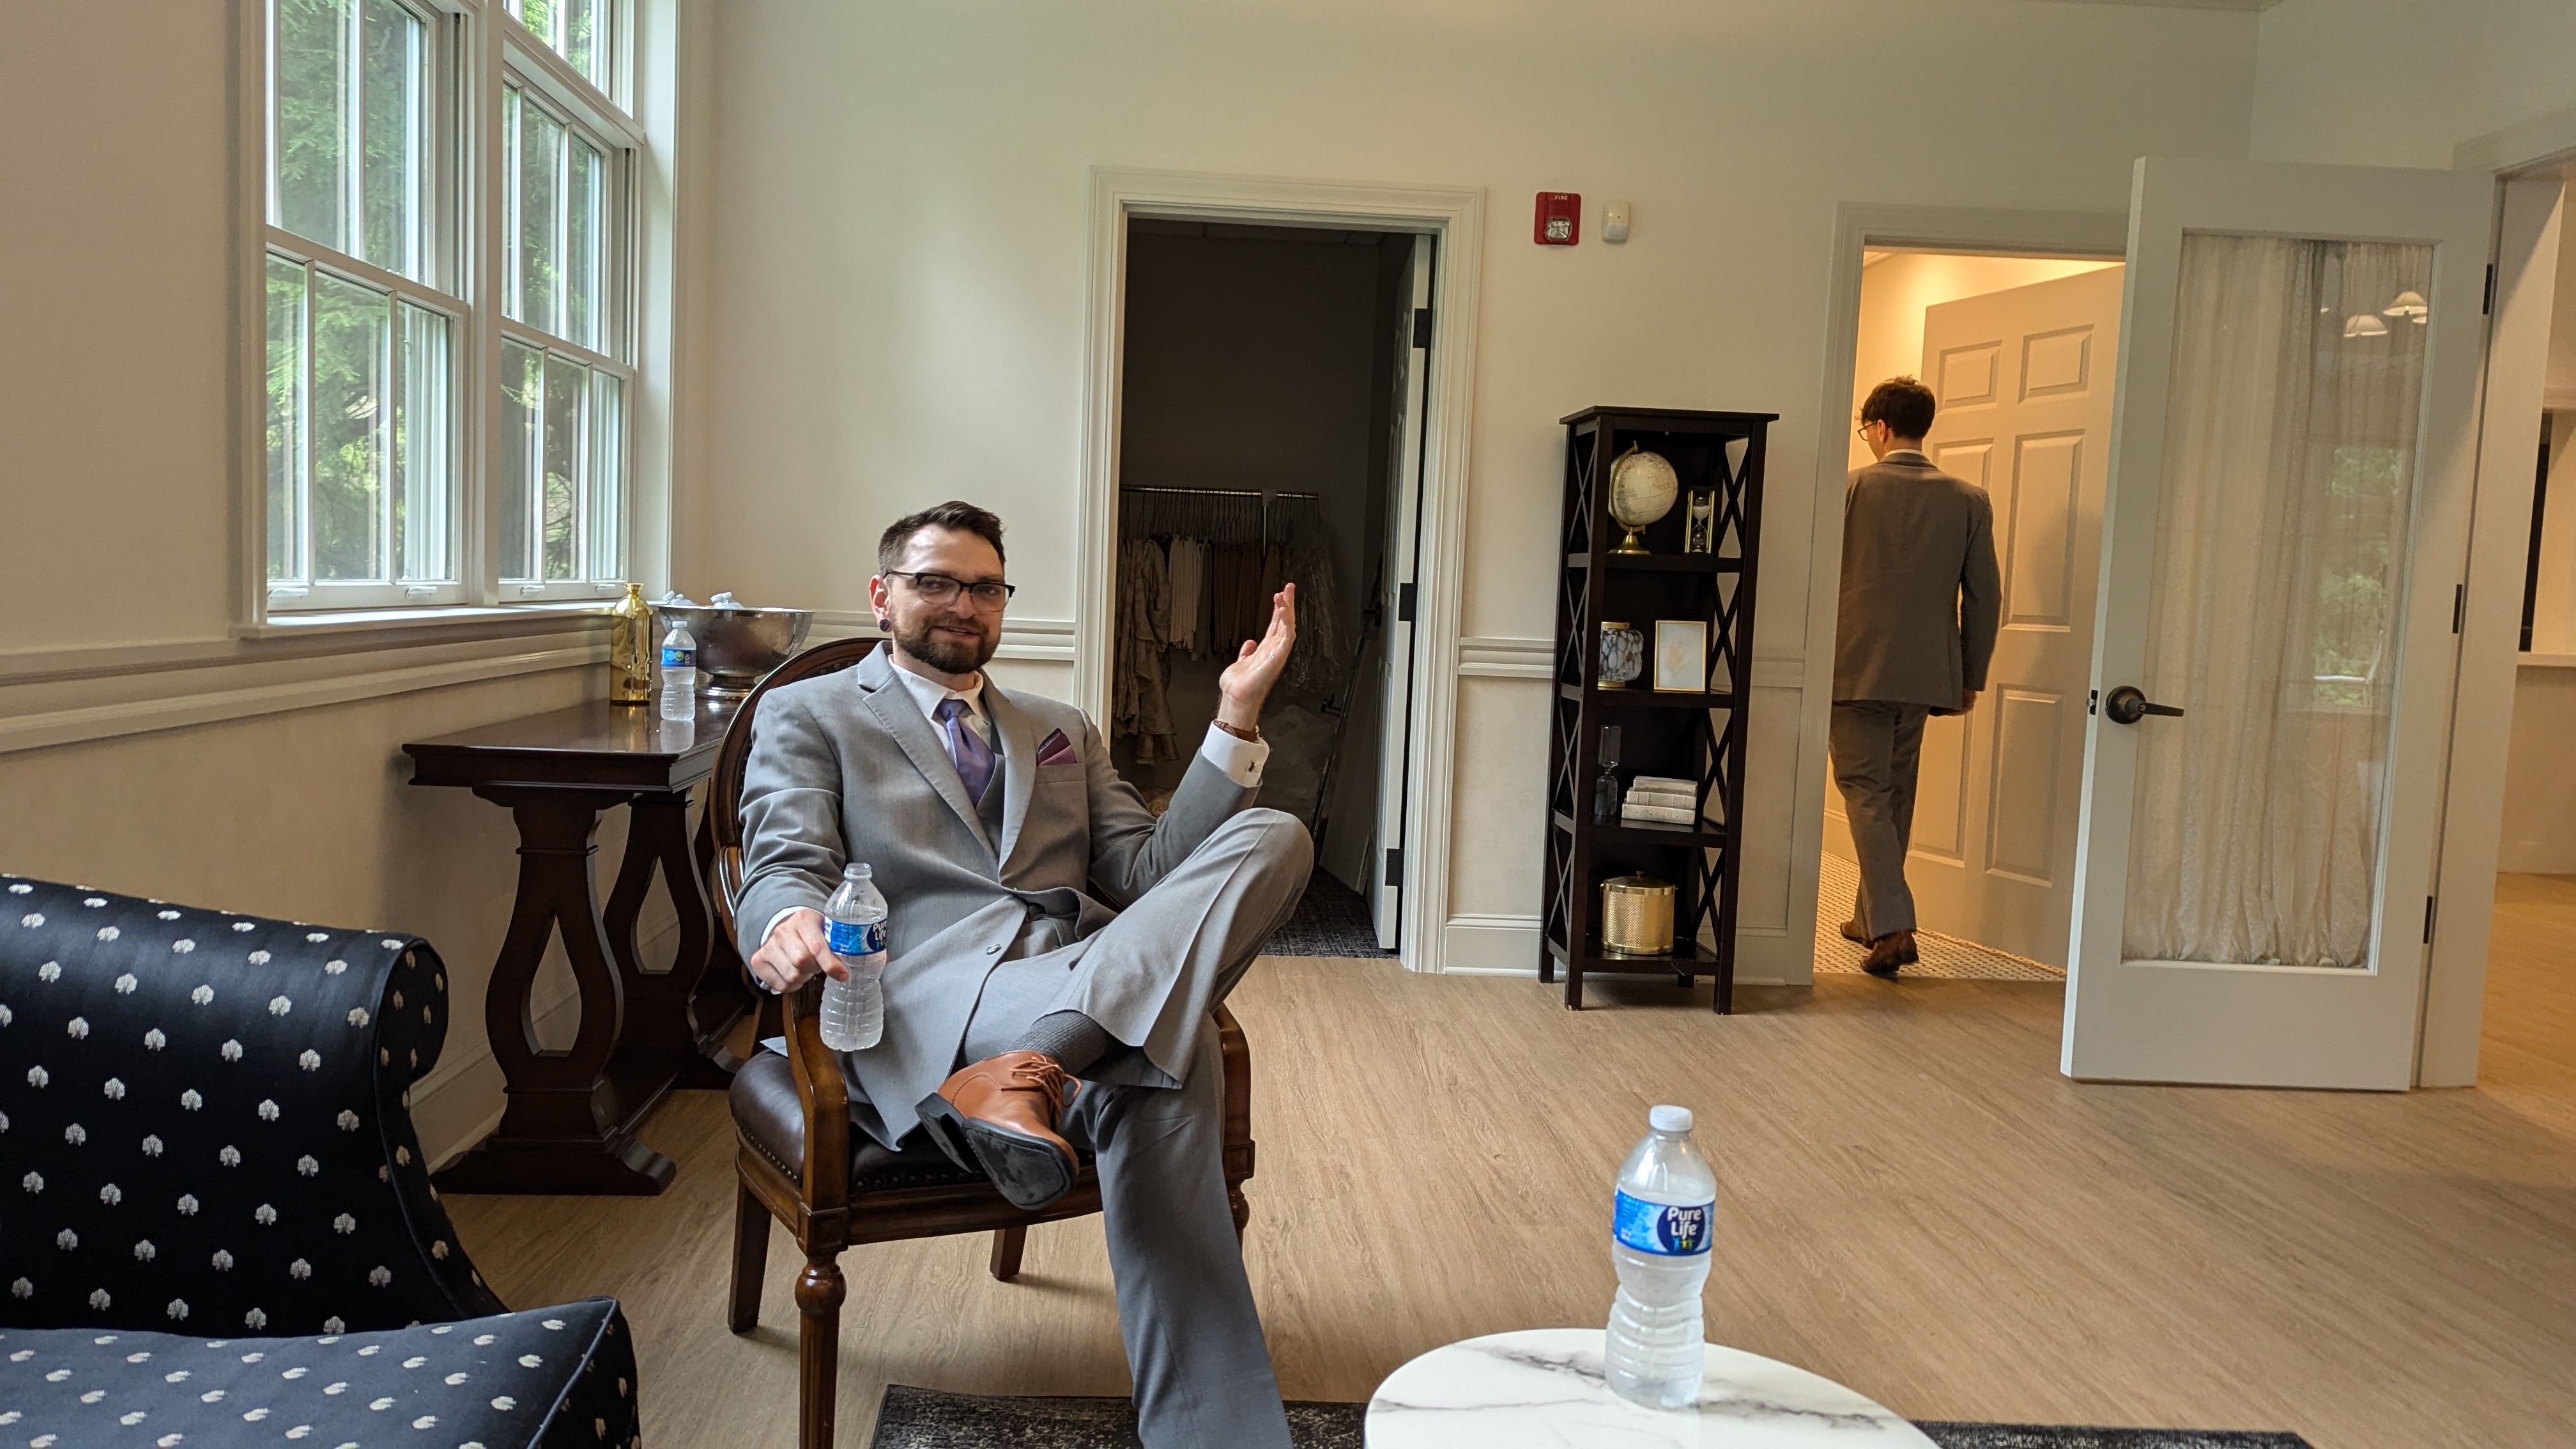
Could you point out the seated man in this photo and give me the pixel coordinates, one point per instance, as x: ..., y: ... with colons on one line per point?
x: 1053, y: 947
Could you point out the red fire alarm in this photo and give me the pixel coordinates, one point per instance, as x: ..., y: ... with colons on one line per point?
x: 1560, y: 219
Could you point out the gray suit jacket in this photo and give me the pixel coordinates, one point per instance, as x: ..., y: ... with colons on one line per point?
x: 846, y: 767
x: 1920, y: 591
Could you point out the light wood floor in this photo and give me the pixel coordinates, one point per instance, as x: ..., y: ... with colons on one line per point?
x: 1912, y: 1202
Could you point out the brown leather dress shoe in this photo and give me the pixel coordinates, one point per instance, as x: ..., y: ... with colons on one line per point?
x: 1854, y: 934
x: 999, y: 1115
x: 1890, y: 951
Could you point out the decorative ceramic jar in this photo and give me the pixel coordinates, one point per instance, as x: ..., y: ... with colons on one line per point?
x: 1623, y: 654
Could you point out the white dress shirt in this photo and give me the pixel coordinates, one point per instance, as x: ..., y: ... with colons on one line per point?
x: 1241, y: 759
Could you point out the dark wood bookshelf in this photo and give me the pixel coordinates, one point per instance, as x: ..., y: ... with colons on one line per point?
x: 1694, y: 736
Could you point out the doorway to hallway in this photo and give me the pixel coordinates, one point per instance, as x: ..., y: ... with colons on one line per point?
x: 2019, y: 351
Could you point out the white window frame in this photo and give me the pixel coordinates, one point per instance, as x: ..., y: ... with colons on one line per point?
x: 476, y: 48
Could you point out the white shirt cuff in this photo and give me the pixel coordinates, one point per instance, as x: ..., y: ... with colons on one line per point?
x: 1240, y: 759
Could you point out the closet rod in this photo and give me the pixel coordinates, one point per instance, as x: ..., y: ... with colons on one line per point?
x: 1218, y: 492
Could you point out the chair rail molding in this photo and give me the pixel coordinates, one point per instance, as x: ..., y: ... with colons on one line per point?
x: 60, y: 697
x: 1455, y: 217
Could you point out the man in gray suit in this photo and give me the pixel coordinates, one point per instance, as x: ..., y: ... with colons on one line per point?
x: 1913, y: 636
x: 1053, y: 947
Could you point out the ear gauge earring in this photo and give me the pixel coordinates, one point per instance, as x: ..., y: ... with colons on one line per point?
x: 884, y: 624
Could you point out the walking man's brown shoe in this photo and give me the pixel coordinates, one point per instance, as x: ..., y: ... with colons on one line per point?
x: 1854, y: 934
x: 1888, y: 952
x: 999, y: 1115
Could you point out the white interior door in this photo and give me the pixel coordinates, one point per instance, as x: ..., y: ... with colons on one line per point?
x: 2025, y: 387
x: 1403, y: 508
x: 2286, y: 524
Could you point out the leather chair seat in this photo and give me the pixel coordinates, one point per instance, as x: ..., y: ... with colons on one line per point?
x: 764, y: 1108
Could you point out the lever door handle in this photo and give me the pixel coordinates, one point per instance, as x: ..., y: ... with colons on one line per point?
x: 2129, y: 704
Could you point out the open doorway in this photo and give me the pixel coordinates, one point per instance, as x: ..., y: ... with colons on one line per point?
x: 2019, y: 351
x: 1270, y: 429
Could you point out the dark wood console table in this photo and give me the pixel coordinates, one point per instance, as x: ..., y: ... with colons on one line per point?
x: 569, y: 1126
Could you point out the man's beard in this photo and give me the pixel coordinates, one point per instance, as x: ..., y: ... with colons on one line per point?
x: 946, y: 653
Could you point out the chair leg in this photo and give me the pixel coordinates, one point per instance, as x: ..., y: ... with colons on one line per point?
x: 750, y: 1258
x: 1007, y: 1243
x: 1242, y: 1210
x: 819, y: 1290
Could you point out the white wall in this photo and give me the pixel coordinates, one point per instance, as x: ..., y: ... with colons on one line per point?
x: 894, y: 302
x: 2403, y: 82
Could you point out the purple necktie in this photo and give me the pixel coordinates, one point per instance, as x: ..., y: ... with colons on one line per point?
x: 974, y: 757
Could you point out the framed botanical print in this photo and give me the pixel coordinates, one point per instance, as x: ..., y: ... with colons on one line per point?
x: 1681, y: 656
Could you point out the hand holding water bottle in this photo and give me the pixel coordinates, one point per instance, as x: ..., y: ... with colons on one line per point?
x: 854, y: 927
x: 1661, y: 1217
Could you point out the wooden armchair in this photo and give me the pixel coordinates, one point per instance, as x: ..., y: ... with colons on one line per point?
x: 797, y: 1159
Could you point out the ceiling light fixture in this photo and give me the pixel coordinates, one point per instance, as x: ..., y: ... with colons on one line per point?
x: 2362, y: 324
x: 2408, y: 304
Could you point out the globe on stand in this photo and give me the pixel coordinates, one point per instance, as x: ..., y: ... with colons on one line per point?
x: 1643, y: 487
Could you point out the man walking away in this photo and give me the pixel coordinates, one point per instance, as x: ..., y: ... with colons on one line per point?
x: 1913, y: 635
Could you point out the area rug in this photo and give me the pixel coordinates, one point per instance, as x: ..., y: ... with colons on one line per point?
x: 910, y: 1418
x: 1838, y: 884
x: 1331, y: 920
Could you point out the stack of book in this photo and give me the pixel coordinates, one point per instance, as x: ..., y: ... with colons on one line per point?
x: 1660, y: 800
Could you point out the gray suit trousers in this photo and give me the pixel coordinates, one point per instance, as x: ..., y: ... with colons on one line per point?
x: 1877, y: 746
x: 1153, y: 1115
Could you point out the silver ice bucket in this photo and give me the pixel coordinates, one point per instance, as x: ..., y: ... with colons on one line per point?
x: 737, y: 645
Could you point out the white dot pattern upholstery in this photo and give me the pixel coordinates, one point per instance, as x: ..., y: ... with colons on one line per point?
x: 553, y: 1378
x: 185, y: 1124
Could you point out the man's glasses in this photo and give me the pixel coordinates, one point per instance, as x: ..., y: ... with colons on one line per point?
x: 940, y: 589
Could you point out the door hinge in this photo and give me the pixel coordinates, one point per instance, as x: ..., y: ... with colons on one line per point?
x: 1404, y: 603
x: 1395, y: 867
x: 1422, y: 325
x: 2459, y: 606
x: 2428, y: 920
x: 2487, y: 308
x: 2092, y: 700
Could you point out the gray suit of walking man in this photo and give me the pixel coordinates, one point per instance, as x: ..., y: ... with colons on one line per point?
x: 1913, y: 636
x: 1053, y: 948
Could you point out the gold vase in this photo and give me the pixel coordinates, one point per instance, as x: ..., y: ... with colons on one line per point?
x: 630, y: 649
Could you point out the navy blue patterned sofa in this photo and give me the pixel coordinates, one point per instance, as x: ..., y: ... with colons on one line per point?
x: 215, y: 1223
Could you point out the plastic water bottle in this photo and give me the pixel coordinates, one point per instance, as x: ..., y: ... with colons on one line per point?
x: 854, y: 922
x: 1659, y: 1237
x: 679, y: 672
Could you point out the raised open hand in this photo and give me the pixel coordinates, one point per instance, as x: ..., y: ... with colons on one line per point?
x: 1246, y: 683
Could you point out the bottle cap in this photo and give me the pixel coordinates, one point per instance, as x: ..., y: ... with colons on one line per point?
x: 858, y: 870
x: 1669, y: 1119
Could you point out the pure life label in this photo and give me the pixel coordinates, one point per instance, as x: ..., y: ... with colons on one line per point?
x: 854, y: 938
x: 1659, y: 1228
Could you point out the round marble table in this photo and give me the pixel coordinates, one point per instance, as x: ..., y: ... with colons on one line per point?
x: 1543, y: 1387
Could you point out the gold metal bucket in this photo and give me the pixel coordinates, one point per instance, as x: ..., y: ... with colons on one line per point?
x: 1636, y: 916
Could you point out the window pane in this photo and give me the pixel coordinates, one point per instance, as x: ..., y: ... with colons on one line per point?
x: 562, y: 502
x: 581, y: 39
x: 389, y: 87
x: 315, y: 114
x: 607, y: 476
x: 350, y: 354
x: 540, y: 186
x: 2280, y: 554
x: 424, y: 513
x: 538, y: 16
x: 582, y: 214
x: 285, y: 419
x: 523, y: 392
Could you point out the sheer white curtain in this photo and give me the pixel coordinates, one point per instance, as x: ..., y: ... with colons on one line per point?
x: 2280, y: 560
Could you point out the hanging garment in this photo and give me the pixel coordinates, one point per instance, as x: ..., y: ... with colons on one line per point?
x: 1187, y: 565
x: 1137, y: 704
x: 1323, y: 644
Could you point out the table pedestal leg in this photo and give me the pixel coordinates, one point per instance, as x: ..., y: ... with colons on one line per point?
x: 569, y: 1126
x: 672, y: 1022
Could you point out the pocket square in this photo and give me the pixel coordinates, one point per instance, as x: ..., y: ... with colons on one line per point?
x: 1055, y: 749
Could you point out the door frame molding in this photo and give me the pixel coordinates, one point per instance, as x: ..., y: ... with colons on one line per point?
x: 1859, y: 226
x: 1456, y: 217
